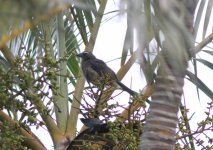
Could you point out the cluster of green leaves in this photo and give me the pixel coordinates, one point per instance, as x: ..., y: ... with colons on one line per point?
x: 125, y: 136
x: 185, y: 135
x: 10, y: 137
x: 29, y: 74
x: 44, y: 43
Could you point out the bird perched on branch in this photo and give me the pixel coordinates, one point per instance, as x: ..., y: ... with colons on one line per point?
x: 98, y: 73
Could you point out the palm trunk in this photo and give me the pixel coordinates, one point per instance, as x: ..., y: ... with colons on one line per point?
x: 160, y: 128
x: 159, y: 131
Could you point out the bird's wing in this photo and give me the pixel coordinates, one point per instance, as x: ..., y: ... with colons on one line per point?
x: 99, y: 66
x: 98, y: 73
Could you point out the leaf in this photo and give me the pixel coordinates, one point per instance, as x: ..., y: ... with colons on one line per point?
x: 208, y: 51
x: 147, y: 68
x: 207, y: 17
x: 195, y: 70
x: 196, y: 81
x: 72, y: 48
x: 128, y: 41
x: 206, y: 63
x: 13, y: 13
x: 73, y: 66
x: 94, y: 8
x: 72, y: 44
x: 79, y: 20
x: 89, y: 19
x: 198, y: 17
x: 88, y: 13
x: 4, y: 63
x: 127, y: 45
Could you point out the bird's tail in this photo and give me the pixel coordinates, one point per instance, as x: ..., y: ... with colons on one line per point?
x: 125, y: 88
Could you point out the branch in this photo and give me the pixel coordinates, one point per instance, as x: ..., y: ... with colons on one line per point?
x: 55, y: 132
x: 72, y: 120
x: 30, y: 140
x: 7, y: 54
x: 202, y: 44
x: 125, y: 68
x: 61, y: 101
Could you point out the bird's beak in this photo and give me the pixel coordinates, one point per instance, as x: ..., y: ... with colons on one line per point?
x: 79, y: 55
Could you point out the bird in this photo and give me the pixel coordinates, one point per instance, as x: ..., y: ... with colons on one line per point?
x: 91, y: 122
x: 99, y: 74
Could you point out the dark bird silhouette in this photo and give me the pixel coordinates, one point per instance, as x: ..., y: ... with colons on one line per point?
x: 91, y: 122
x: 98, y: 73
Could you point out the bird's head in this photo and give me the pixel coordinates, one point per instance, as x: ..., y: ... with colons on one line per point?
x: 86, y: 55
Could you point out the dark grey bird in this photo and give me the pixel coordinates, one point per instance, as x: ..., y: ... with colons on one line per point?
x: 91, y: 122
x: 98, y: 73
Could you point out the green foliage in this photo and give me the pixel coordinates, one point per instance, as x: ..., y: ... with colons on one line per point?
x: 186, y: 136
x: 29, y: 73
x: 125, y: 136
x: 22, y: 11
x: 10, y: 137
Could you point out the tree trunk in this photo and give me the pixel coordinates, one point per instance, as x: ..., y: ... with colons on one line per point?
x: 160, y: 128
